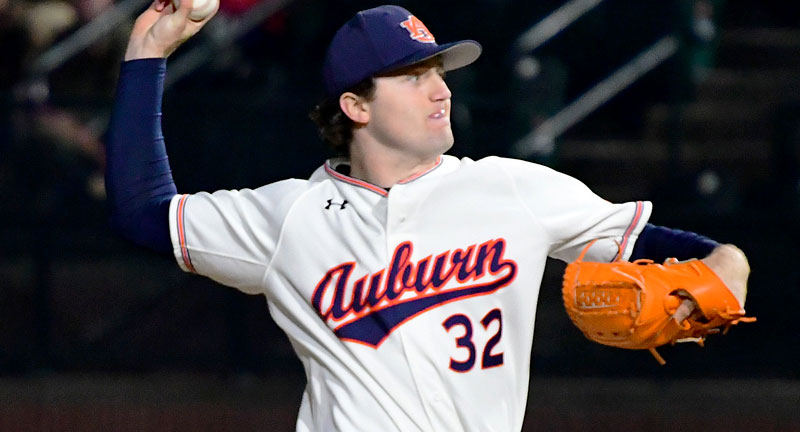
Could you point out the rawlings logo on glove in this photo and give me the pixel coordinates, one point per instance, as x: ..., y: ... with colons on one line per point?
x: 643, y: 305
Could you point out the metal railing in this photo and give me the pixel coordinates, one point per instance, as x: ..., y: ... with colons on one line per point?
x: 86, y: 36
x: 554, y: 23
x: 541, y: 140
x: 222, y: 32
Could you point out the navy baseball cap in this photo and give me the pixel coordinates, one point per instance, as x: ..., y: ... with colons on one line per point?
x: 381, y: 40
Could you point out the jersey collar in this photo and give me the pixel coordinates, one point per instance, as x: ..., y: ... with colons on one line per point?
x: 332, y: 164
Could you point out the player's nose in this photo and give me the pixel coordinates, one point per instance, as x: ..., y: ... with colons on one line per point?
x: 439, y: 89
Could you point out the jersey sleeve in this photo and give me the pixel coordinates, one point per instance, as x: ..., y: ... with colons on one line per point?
x: 231, y: 236
x: 571, y: 215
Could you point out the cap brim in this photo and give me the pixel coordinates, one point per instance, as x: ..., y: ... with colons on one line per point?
x: 459, y: 54
x: 454, y: 55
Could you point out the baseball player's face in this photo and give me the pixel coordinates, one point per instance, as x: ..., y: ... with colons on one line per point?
x: 411, y: 110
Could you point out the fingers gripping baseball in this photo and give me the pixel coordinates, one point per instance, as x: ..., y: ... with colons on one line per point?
x: 162, y: 28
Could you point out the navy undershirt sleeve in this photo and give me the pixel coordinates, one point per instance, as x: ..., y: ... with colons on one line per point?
x: 659, y: 243
x: 138, y: 177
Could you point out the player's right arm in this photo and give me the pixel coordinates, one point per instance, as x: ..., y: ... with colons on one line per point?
x: 228, y: 236
x: 138, y: 177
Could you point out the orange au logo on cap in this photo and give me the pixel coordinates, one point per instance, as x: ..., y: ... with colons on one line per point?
x: 417, y: 30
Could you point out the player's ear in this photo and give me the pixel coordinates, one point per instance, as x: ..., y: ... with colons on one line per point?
x: 354, y: 107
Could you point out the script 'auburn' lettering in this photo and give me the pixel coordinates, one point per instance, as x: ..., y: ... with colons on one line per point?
x: 370, y: 308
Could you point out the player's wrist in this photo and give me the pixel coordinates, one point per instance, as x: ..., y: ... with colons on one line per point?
x: 731, y: 266
x: 140, y: 50
x: 145, y: 47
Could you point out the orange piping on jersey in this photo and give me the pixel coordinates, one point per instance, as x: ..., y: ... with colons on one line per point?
x: 182, y: 235
x: 354, y: 181
x: 377, y: 189
x: 625, y: 237
x: 422, y: 173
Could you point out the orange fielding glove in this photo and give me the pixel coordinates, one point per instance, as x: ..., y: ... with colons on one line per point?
x: 633, y: 305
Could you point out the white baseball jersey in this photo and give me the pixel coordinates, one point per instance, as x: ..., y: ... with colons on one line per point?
x: 411, y: 309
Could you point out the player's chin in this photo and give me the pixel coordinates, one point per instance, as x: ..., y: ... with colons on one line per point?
x: 449, y: 144
x: 443, y: 141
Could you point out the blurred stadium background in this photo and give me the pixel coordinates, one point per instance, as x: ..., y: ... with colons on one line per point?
x: 693, y: 104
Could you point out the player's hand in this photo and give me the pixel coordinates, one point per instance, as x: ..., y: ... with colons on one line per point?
x: 731, y: 265
x: 161, y: 29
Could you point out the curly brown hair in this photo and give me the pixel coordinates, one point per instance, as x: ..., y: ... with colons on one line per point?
x: 335, y: 128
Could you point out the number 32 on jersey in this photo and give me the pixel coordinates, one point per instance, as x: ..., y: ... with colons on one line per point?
x: 488, y: 359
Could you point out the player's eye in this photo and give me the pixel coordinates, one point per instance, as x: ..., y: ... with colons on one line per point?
x: 416, y: 76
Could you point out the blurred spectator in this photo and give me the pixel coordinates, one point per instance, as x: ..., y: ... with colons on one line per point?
x: 46, y: 19
x: 16, y: 43
x: 237, y: 7
x: 704, y: 32
x: 89, y: 78
x: 698, y: 35
x: 60, y: 117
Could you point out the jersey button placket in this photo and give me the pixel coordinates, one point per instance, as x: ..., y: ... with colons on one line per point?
x: 397, y: 211
x: 440, y: 411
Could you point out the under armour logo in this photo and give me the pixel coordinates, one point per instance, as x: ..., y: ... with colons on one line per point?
x: 330, y: 203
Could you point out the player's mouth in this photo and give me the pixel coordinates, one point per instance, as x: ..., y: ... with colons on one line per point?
x: 440, y: 115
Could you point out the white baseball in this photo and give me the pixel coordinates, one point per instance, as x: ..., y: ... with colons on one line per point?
x: 200, y: 9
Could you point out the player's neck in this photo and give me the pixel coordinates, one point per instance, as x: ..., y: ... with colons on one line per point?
x: 387, y: 168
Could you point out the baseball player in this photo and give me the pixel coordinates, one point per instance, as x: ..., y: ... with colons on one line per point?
x: 405, y: 279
